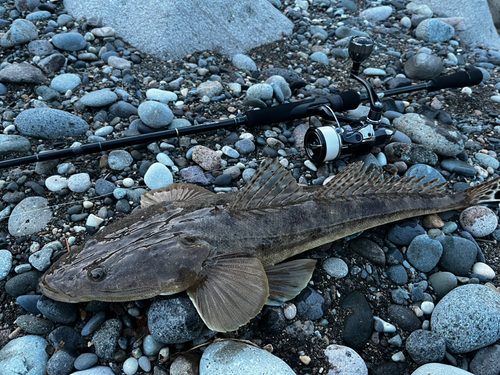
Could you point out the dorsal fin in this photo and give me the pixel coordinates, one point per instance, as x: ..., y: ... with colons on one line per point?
x: 271, y: 185
x: 354, y: 180
x: 173, y: 193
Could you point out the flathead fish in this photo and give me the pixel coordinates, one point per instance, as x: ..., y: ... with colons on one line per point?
x: 228, y: 251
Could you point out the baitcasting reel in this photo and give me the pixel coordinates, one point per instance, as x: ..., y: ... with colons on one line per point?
x: 329, y: 142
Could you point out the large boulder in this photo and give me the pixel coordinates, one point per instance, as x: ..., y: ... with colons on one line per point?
x: 173, y: 29
x: 479, y: 27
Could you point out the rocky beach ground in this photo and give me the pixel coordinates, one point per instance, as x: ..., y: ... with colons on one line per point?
x: 406, y: 298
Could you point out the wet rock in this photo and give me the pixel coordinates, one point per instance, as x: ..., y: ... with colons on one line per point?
x: 423, y: 66
x: 358, y: 323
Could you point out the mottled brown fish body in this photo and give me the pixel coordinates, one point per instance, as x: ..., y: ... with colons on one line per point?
x: 228, y: 251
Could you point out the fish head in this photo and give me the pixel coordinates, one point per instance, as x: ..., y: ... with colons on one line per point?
x: 117, y: 271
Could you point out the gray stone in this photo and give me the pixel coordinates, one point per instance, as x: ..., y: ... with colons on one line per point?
x: 118, y: 160
x: 434, y: 31
x: 72, y: 41
x: 122, y: 109
x: 150, y: 346
x: 209, y: 88
x: 49, y: 123
x: 63, y: 19
x: 424, y: 253
x: 52, y: 63
x: 174, y: 320
x: 410, y: 153
x: 244, y: 62
x: 40, y: 15
x: 439, y: 368
x: 336, y: 267
x: 344, y: 360
x: 22, y: 73
x: 40, y: 47
x: 245, y: 146
x: 320, y: 57
x: 441, y: 138
x: 262, y: 91
x: 99, y: 98
x: 5, y: 263
x: 158, y: 176
x: 442, y: 283
x: 34, y: 325
x: 161, y: 95
x: 31, y: 215
x: 13, y: 143
x: 468, y: 318
x: 155, y: 114
x: 486, y: 161
x: 85, y: 361
x: 41, y: 259
x: 119, y: 62
x: 195, y: 175
x: 106, y: 339
x: 24, y: 355
x: 79, y: 182
x: 486, y: 362
x: 459, y: 254
x: 425, y: 346
x: 344, y: 32
x: 65, y: 82
x: 161, y: 36
x: 480, y: 30
x: 61, y: 363
x: 21, y: 31
x: 377, y: 13
x: 459, y: 167
x: 232, y: 357
x: 423, y: 66
x: 369, y: 250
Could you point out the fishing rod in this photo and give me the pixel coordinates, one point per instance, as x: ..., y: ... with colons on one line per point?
x: 324, y: 143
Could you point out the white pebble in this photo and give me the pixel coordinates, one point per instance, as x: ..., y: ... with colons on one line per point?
x: 481, y: 171
x: 417, y: 311
x: 309, y: 164
x: 290, y: 311
x: 496, y: 98
x: 88, y: 204
x: 128, y: 182
x: 427, y: 307
x: 382, y: 160
x: 398, y: 357
x: 467, y: 91
x: 336, y: 267
x: 130, y: 366
x: 247, y: 136
x: 484, y: 270
x: 164, y: 354
x: 93, y: 221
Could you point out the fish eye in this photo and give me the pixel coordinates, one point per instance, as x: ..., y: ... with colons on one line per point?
x: 97, y: 274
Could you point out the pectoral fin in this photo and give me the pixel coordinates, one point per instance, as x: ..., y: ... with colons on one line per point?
x: 233, y: 291
x: 286, y: 280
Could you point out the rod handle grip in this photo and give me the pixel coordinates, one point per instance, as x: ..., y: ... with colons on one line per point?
x: 292, y: 111
x: 469, y: 77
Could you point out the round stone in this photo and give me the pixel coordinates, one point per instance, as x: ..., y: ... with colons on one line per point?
x: 158, y: 176
x: 468, y: 318
x: 423, y: 66
x: 65, y: 82
x: 99, y: 98
x: 155, y: 114
x: 244, y: 62
x: 336, y: 267
x: 344, y: 360
x: 118, y: 160
x: 49, y: 123
x: 479, y: 221
x: 233, y: 357
x: 21, y: 31
x: 130, y: 366
x: 424, y: 253
x: 5, y: 263
x: 31, y: 215
x: 79, y: 183
x: 484, y: 270
x: 161, y: 95
x: 72, y: 41
x: 425, y: 346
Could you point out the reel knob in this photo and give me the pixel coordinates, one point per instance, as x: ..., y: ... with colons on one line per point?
x: 360, y: 48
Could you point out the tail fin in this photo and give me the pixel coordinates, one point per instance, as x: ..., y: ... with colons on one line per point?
x: 487, y: 192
